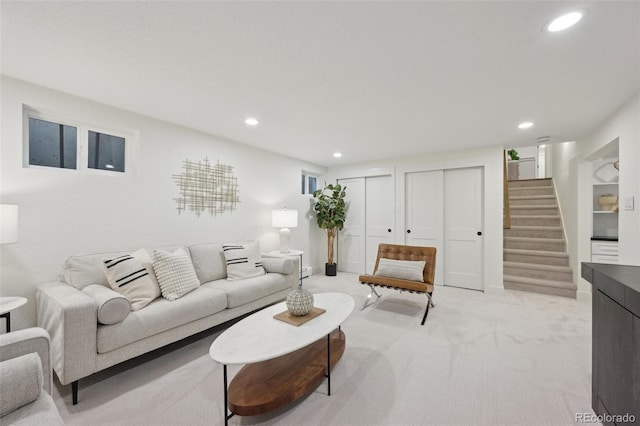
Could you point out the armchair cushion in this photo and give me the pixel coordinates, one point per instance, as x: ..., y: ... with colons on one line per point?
x: 21, y: 379
x: 401, y: 269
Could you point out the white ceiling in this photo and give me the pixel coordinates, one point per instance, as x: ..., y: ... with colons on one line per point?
x: 373, y: 80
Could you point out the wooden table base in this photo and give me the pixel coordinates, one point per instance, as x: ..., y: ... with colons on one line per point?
x: 264, y: 386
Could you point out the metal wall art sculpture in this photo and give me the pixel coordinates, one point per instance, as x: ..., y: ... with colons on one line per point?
x: 206, y: 188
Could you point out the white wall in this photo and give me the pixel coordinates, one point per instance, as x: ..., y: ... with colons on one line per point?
x: 573, y: 178
x: 490, y: 159
x: 64, y: 212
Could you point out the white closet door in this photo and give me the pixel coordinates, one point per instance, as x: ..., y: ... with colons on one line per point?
x: 463, y: 201
x: 352, y: 238
x: 424, y: 213
x: 380, y: 202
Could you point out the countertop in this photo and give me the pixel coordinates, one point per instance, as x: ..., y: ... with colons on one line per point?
x: 619, y: 282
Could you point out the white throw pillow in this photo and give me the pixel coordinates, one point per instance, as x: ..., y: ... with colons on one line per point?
x: 129, y: 276
x: 175, y: 273
x: 243, y: 260
x: 402, y: 269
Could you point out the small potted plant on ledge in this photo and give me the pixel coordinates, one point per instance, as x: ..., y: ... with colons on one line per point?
x: 331, y: 215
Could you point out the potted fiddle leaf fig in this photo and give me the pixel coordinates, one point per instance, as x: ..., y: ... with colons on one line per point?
x: 331, y: 215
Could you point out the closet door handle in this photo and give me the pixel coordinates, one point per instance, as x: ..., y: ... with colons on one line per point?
x: 408, y: 231
x: 389, y: 230
x: 479, y: 232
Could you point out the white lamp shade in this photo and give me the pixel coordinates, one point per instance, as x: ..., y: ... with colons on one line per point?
x: 284, y: 218
x: 8, y: 223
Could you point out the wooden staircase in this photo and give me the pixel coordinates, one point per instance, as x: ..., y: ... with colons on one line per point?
x: 535, y: 256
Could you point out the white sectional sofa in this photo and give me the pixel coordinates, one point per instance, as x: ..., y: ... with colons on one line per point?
x: 92, y: 328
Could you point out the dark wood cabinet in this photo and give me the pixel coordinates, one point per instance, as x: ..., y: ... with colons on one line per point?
x: 616, y: 341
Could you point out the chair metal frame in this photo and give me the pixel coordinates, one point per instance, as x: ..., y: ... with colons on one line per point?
x: 403, y: 252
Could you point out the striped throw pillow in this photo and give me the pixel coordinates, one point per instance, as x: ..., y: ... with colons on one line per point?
x: 243, y: 260
x: 175, y: 273
x: 129, y: 276
x: 412, y: 270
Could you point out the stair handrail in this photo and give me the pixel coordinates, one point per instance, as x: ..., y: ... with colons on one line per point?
x: 506, y: 212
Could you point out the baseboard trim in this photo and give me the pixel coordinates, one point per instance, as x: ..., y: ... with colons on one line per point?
x: 583, y: 296
x: 494, y: 290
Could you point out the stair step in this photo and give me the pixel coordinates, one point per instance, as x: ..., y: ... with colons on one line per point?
x: 532, y: 270
x: 556, y: 288
x: 531, y: 190
x: 535, y: 220
x: 532, y: 200
x: 534, y: 231
x: 555, y: 268
x: 539, y: 244
x: 536, y: 256
x: 542, y: 209
x: 533, y: 197
x: 529, y: 183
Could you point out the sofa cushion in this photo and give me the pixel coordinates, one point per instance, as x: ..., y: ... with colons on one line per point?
x: 243, y: 260
x: 112, y: 306
x: 208, y: 261
x: 279, y: 265
x: 160, y: 315
x: 133, y: 276
x: 249, y: 289
x: 175, y: 273
x: 21, y: 379
x: 81, y: 271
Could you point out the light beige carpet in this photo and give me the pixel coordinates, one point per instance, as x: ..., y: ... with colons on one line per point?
x: 516, y: 359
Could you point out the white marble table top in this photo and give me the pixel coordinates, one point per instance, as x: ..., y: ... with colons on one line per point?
x: 260, y: 337
x: 8, y: 304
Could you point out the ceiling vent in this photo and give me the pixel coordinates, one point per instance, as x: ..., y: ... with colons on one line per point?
x: 543, y: 140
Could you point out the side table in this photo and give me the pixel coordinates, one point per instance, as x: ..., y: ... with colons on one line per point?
x: 8, y: 304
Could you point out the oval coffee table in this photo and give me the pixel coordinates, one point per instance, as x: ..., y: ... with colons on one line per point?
x: 284, y: 362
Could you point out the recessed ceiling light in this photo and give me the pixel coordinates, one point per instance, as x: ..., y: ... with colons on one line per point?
x: 251, y: 121
x: 525, y: 125
x: 337, y: 154
x: 563, y: 22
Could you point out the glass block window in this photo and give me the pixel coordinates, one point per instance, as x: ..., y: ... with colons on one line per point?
x: 106, y: 152
x: 52, y: 144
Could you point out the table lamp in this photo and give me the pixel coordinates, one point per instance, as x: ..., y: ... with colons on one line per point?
x: 284, y: 219
x: 8, y: 223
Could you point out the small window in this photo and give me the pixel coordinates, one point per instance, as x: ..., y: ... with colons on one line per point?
x: 309, y: 183
x: 312, y: 184
x: 106, y: 152
x: 52, y: 140
x: 52, y: 144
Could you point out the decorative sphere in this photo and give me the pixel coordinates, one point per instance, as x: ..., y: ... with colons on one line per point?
x: 299, y: 302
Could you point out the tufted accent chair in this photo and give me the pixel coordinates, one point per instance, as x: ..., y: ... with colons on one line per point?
x: 402, y: 252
